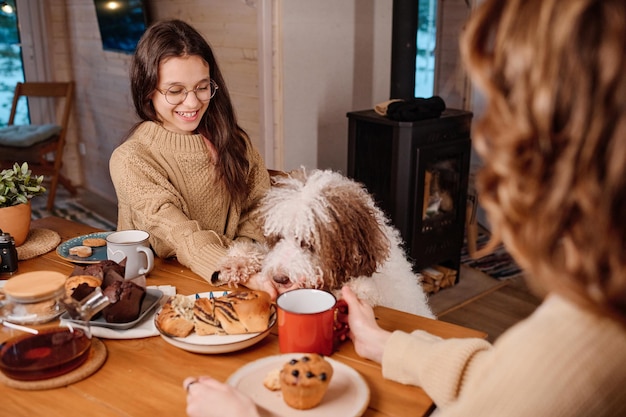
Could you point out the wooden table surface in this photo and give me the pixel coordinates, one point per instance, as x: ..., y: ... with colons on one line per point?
x: 143, y: 377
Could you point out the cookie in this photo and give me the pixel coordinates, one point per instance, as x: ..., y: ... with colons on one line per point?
x: 272, y: 380
x: 94, y: 242
x: 81, y: 251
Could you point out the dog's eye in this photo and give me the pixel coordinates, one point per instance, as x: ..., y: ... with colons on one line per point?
x: 272, y: 240
x: 306, y: 246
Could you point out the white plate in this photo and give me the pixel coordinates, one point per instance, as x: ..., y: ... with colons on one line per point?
x: 149, y: 302
x: 98, y: 254
x: 217, y: 343
x: 348, y: 394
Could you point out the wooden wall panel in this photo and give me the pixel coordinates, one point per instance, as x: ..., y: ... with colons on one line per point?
x: 103, y: 111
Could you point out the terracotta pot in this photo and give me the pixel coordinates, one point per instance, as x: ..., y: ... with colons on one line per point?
x: 15, y: 220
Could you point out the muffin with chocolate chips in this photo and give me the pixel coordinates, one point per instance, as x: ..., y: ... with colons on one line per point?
x: 304, y: 381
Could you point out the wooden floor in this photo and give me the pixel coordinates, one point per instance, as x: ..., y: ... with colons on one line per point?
x: 495, y: 311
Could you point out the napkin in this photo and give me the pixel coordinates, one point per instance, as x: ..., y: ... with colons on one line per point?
x: 145, y: 328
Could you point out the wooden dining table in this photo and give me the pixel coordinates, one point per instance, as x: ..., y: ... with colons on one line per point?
x: 143, y: 377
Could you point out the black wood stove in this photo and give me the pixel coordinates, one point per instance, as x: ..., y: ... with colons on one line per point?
x: 418, y: 173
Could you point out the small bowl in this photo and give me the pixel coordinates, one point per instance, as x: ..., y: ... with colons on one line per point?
x: 50, y: 353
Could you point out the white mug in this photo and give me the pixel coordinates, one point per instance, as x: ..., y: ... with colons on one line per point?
x: 133, y: 246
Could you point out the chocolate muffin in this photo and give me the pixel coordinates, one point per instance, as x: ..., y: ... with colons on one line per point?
x: 126, y: 298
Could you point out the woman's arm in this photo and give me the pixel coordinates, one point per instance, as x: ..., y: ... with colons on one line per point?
x: 437, y: 365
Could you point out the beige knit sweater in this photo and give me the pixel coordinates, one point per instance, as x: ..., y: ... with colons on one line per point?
x: 166, y: 184
x: 560, y: 362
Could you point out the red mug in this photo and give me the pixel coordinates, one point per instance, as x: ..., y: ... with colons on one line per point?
x: 307, y: 321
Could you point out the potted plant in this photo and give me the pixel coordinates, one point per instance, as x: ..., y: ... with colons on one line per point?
x: 17, y: 186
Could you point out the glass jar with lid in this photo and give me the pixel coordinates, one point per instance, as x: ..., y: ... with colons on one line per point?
x: 33, y: 297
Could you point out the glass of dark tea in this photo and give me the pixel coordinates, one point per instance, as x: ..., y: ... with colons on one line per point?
x: 53, y: 351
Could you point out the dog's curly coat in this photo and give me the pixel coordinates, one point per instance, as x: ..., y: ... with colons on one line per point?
x: 324, y: 230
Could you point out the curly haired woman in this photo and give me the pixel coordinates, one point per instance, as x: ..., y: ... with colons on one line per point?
x: 553, y: 141
x: 553, y: 138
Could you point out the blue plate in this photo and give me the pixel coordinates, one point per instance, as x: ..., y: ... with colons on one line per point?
x: 99, y: 253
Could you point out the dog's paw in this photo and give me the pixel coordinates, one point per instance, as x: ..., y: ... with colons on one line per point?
x: 243, y: 260
x: 366, y: 290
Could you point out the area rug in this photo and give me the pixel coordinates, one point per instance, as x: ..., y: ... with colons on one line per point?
x: 69, y: 208
x: 499, y: 264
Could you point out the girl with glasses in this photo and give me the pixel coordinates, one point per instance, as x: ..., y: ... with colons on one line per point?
x: 187, y: 173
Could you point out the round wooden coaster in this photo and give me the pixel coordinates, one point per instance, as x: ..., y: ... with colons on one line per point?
x: 96, y: 358
x: 38, y: 242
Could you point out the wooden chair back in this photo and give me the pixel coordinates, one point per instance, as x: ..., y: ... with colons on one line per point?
x: 44, y: 158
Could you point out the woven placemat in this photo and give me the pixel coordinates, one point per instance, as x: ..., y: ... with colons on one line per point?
x: 38, y: 242
x: 96, y: 358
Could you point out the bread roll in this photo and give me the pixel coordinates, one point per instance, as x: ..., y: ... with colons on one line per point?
x: 176, y: 317
x: 204, y: 319
x: 235, y: 313
x: 243, y: 311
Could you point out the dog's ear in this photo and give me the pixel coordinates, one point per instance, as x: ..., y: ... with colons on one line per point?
x: 354, y: 241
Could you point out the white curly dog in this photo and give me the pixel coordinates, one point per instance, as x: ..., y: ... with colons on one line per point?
x: 324, y: 230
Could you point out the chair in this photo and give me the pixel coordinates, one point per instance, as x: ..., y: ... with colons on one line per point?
x: 40, y: 145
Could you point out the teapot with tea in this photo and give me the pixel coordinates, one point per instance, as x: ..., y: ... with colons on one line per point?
x: 45, y: 353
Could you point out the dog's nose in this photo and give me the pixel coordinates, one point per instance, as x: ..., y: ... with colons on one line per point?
x: 281, y: 279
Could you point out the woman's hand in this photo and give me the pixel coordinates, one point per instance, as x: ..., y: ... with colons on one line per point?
x: 368, y: 338
x: 207, y: 397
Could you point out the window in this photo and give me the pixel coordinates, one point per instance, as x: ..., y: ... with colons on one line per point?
x: 11, y: 65
x: 30, y: 64
x: 426, y: 43
x: 121, y: 23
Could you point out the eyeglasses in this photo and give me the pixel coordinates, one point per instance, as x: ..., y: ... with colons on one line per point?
x: 176, y: 94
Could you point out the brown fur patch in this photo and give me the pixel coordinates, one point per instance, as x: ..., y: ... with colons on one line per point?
x: 353, y: 244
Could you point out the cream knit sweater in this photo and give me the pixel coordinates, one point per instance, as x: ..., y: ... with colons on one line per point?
x: 560, y: 362
x: 166, y: 185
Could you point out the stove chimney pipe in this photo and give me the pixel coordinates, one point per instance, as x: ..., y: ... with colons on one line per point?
x: 403, y: 49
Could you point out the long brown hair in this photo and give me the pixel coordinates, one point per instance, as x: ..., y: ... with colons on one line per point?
x: 175, y: 38
x: 553, y: 138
